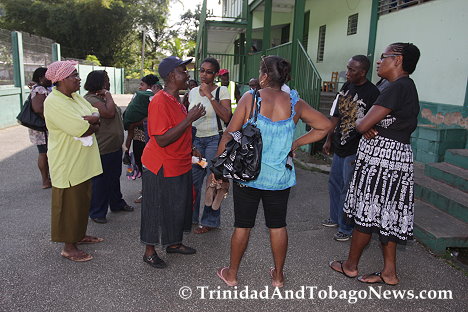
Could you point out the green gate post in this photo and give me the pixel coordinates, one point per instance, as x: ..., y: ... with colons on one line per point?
x: 248, y: 42
x: 18, y: 63
x: 122, y: 81
x: 241, y: 57
x: 56, y: 53
x: 267, y: 25
x: 372, y: 36
x: 297, y: 36
x: 204, y: 42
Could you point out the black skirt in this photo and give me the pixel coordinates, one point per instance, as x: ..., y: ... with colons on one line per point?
x: 166, y: 210
x: 380, y: 197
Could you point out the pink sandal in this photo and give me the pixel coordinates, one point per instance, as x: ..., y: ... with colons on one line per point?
x: 219, y: 272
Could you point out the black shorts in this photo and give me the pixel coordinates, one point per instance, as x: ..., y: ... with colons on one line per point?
x: 42, y: 148
x: 246, y: 200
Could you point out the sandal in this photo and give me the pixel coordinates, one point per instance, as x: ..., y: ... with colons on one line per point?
x: 210, y: 192
x: 85, y: 257
x: 273, y: 283
x: 221, y: 193
x: 90, y: 240
x: 219, y: 272
x: 379, y: 274
x: 342, y: 269
x: 202, y: 229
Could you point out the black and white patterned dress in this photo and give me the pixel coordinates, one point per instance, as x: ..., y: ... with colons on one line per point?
x: 380, y: 197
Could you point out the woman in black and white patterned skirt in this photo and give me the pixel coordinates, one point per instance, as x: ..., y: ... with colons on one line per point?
x: 380, y: 197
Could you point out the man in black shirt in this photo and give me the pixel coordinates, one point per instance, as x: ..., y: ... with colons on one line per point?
x: 352, y: 102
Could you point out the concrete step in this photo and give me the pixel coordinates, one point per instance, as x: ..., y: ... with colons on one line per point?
x: 443, y: 196
x: 438, y: 230
x: 449, y: 174
x: 457, y: 157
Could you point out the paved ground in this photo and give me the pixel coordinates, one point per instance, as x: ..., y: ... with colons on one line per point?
x: 33, y: 276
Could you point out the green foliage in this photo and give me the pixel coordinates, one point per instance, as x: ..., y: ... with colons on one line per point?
x: 92, y: 60
x: 107, y: 29
x: 179, y: 47
x: 136, y: 74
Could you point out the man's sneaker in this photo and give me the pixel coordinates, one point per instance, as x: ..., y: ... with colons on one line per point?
x: 329, y: 223
x: 341, y: 237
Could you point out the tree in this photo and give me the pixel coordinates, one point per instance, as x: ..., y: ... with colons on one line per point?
x: 107, y: 29
x: 179, y: 47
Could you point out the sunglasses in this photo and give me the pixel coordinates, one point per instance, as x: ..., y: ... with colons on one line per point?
x: 384, y: 56
x: 209, y: 72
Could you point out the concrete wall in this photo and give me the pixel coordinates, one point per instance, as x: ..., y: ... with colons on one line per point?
x: 276, y: 18
x: 339, y: 47
x: 438, y: 29
x: 10, y: 105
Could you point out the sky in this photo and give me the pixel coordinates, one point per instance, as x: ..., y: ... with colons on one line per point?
x: 178, y: 7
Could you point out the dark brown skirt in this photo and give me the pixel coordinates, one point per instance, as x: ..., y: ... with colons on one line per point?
x: 70, y: 208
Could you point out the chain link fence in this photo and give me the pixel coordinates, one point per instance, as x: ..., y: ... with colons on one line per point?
x: 6, y: 58
x: 37, y: 52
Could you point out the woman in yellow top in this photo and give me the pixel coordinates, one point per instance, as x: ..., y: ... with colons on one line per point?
x: 73, y: 158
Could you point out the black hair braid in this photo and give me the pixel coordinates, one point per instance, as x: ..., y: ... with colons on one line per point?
x: 410, y: 54
x: 277, y: 68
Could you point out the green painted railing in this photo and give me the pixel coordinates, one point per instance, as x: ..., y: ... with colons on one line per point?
x: 305, y: 77
x: 307, y: 80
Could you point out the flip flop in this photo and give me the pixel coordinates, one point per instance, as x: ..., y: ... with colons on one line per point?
x: 84, y: 258
x: 273, y: 283
x: 342, y: 269
x: 379, y: 274
x: 219, y: 272
x: 202, y: 229
x: 90, y: 240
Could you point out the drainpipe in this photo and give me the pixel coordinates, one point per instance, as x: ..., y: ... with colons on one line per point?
x: 372, y: 36
x: 266, y: 42
x: 297, y: 35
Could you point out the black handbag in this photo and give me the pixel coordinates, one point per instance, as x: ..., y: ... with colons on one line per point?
x: 28, y: 118
x: 241, y: 160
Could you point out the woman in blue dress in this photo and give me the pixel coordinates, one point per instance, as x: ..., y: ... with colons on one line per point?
x: 279, y: 114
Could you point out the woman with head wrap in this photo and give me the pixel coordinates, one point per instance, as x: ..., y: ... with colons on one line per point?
x: 73, y: 158
x: 110, y: 137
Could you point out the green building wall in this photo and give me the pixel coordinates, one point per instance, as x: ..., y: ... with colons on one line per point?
x: 438, y: 28
x: 339, y: 47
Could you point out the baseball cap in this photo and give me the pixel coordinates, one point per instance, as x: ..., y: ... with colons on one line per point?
x: 223, y: 71
x: 169, y: 64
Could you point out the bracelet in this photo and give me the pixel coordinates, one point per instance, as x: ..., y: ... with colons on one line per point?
x: 212, y: 98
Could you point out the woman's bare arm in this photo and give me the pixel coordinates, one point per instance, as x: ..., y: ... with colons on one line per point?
x: 320, y: 124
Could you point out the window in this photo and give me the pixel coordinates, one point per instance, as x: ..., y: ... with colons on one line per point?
x: 285, y: 34
x: 321, y: 43
x: 305, y: 38
x: 388, y: 6
x: 352, y: 24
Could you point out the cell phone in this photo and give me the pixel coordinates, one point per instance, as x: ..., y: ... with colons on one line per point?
x: 289, y: 161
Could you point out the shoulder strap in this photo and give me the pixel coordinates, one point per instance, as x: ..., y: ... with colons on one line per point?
x: 218, y: 120
x: 254, y: 109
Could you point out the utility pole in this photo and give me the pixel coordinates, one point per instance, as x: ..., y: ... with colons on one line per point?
x: 142, y: 71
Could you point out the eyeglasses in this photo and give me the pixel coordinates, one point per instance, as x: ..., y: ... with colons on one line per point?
x: 384, y: 56
x: 209, y: 72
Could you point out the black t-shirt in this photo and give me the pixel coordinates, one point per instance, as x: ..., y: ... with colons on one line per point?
x: 401, y: 97
x: 353, y: 103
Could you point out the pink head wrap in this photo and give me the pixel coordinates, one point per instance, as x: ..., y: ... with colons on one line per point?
x: 60, y: 70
